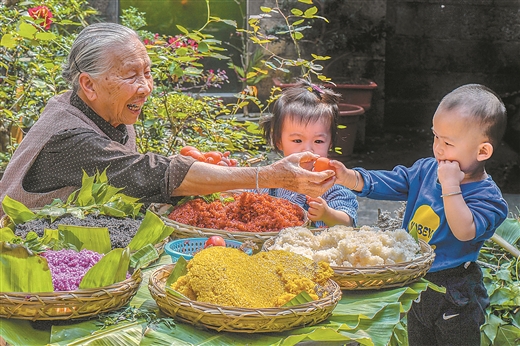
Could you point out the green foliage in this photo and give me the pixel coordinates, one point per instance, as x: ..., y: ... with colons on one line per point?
x: 95, y: 196
x: 294, y: 23
x: 173, y: 116
x: 173, y: 120
x: 502, y: 281
x: 30, y: 64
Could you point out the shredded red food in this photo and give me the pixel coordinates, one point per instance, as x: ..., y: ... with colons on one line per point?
x: 249, y: 212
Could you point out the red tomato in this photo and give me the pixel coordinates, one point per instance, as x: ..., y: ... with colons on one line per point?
x: 322, y: 164
x: 215, y: 155
x: 215, y: 240
x: 233, y: 162
x: 184, y: 151
x: 196, y: 155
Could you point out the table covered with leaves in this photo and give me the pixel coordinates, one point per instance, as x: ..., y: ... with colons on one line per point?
x: 372, y: 317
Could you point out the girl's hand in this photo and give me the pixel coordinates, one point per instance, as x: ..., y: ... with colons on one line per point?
x: 318, y: 208
x: 449, y: 173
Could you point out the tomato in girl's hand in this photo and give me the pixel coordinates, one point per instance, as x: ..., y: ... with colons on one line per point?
x: 215, y: 240
x: 185, y: 150
x: 322, y: 164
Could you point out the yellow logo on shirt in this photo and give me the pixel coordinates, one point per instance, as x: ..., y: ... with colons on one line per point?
x: 424, y: 223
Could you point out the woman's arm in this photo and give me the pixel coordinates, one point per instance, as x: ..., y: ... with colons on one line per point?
x: 203, y: 178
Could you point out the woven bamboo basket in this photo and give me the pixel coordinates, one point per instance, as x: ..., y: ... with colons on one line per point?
x: 4, y: 222
x: 380, y: 276
x: 241, y: 320
x: 67, y: 305
x: 187, y: 231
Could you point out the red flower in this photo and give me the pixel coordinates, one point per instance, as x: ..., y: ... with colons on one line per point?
x: 41, y: 12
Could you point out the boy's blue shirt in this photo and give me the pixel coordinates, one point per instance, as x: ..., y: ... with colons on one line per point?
x: 418, y: 185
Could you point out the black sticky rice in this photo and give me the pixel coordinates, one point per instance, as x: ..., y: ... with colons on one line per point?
x: 121, y: 230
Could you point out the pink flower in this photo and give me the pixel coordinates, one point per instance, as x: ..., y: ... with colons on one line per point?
x: 42, y: 12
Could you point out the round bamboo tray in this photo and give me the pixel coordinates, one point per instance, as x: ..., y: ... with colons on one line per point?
x: 381, y: 276
x: 241, y: 320
x: 182, y: 231
x: 67, y: 305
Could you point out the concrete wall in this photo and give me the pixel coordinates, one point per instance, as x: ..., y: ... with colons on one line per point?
x: 437, y: 46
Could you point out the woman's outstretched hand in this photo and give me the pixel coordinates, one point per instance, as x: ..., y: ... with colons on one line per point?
x: 289, y: 173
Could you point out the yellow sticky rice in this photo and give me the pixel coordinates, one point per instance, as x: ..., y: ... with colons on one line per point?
x: 229, y: 277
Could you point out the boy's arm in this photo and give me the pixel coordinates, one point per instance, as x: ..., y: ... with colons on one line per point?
x: 349, y: 178
x: 458, y: 214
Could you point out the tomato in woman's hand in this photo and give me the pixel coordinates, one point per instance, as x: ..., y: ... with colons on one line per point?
x: 322, y: 164
x: 185, y: 150
x: 215, y: 240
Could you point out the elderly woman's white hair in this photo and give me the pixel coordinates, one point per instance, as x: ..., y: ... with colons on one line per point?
x: 89, y: 50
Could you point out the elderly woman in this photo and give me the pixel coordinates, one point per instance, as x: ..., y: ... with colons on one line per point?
x: 90, y: 129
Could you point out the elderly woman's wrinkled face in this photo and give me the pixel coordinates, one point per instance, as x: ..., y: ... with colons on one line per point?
x: 123, y: 90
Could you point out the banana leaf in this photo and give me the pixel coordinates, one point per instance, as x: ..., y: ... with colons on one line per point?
x: 127, y: 334
x: 112, y: 268
x: 151, y: 231
x: 17, y: 211
x: 179, y: 270
x: 84, y: 237
x: 301, y: 298
x: 509, y: 230
x: 144, y: 256
x: 23, y: 271
x: 20, y: 332
x: 6, y: 234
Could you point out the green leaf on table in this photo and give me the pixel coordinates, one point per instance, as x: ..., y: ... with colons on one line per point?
x: 84, y: 237
x: 123, y: 334
x: 151, y: 231
x: 23, y: 271
x: 17, y: 212
x: 20, y: 332
x: 143, y: 256
x: 301, y: 298
x: 110, y: 269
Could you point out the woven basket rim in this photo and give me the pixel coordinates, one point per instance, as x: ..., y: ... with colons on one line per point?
x: 68, y: 305
x: 158, y: 284
x: 116, y: 285
x: 161, y: 209
x: 426, y: 253
x: 381, y: 276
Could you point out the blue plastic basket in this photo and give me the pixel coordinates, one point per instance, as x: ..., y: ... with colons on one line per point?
x: 187, y: 247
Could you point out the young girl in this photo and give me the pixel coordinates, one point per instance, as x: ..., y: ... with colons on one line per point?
x: 304, y: 118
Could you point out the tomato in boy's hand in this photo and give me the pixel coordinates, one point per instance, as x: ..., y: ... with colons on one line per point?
x: 322, y: 164
x: 215, y: 240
